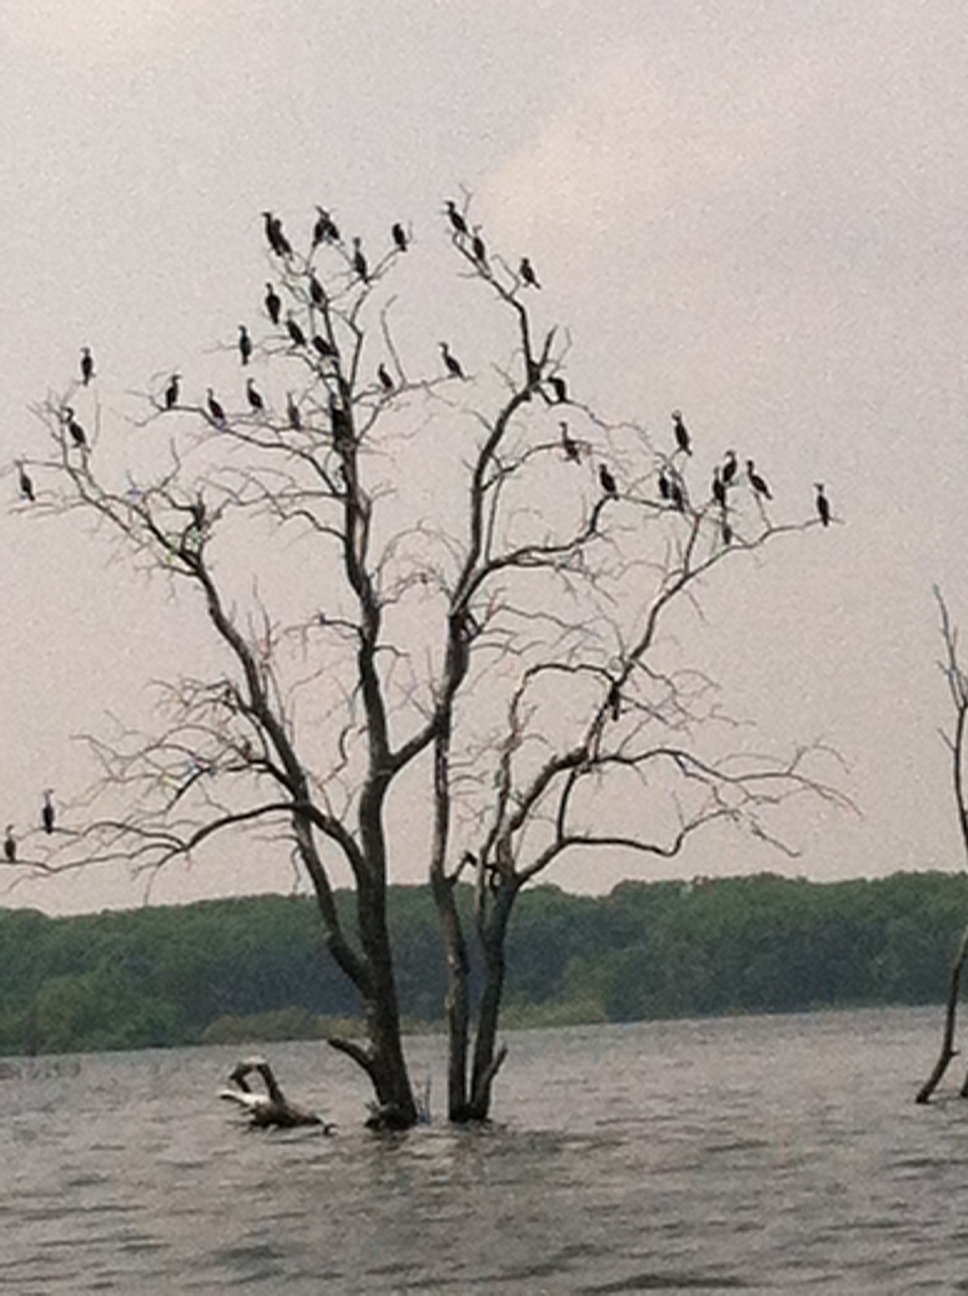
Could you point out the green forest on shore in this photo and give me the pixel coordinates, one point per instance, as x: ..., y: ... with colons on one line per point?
x: 256, y: 968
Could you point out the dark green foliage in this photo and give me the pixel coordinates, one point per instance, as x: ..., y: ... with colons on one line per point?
x: 258, y: 968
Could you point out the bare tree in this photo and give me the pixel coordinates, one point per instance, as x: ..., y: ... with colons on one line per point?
x: 481, y: 620
x: 957, y: 683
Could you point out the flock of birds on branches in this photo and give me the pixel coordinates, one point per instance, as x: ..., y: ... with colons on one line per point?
x: 670, y: 477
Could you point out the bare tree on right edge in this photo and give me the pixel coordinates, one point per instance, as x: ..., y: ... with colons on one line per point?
x: 957, y: 682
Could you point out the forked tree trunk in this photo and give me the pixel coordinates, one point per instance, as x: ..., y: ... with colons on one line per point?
x: 487, y: 1056
x: 458, y: 997
x: 948, y: 1050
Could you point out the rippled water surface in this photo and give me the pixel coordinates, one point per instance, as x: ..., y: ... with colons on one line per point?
x: 759, y: 1154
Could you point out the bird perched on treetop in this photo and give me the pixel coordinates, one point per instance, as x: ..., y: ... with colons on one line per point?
x: 528, y: 275
x: 295, y: 332
x: 478, y: 248
x: 453, y: 364
x: 399, y: 236
x: 756, y: 481
x: 359, y: 261
x: 569, y: 445
x: 215, y: 409
x: 171, y: 392
x: 74, y: 428
x: 26, y: 485
x: 10, y: 845
x: 47, y: 811
x: 292, y: 412
x: 273, y: 303
x: 274, y: 235
x: 87, y: 365
x: 823, y: 504
x: 245, y: 344
x: 729, y: 467
x: 608, y: 483
x: 324, y: 231
x: 458, y: 224
x: 386, y: 382
x: 560, y: 388
x: 681, y: 431
x: 254, y: 398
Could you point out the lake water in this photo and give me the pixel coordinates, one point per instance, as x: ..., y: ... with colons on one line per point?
x: 757, y: 1154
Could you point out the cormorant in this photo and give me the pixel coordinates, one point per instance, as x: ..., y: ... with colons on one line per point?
x: 316, y: 290
x: 614, y: 700
x: 756, y: 481
x: 273, y: 303
x: 276, y: 239
x: 399, y: 237
x: 560, y: 389
x: 10, y: 845
x: 386, y: 382
x: 87, y: 365
x: 569, y: 445
x: 727, y: 531
x: 292, y: 410
x: 528, y: 275
x: 664, y: 488
x: 823, y: 504
x: 254, y: 398
x: 681, y: 431
x: 295, y: 332
x: 215, y: 409
x: 729, y: 468
x: 272, y: 1107
x: 359, y: 261
x: 171, y: 392
x: 324, y: 231
x: 719, y: 489
x: 47, y: 811
x: 245, y: 344
x: 323, y: 348
x: 26, y: 485
x: 451, y: 361
x: 676, y: 495
x: 74, y: 428
x: 458, y: 224
x: 609, y: 484
x: 478, y: 248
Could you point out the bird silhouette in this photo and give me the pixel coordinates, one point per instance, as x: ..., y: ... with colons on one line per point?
x: 77, y: 433
x: 274, y: 235
x: 681, y: 432
x: 823, y: 504
x: 478, y: 248
x: 47, y: 814
x: 756, y: 481
x: 719, y: 489
x: 729, y: 468
x: 245, y: 344
x: 528, y: 276
x: 569, y: 445
x: 614, y: 701
x: 324, y: 231
x: 359, y: 261
x: 295, y: 332
x: 386, y: 382
x: 87, y: 365
x: 215, y: 409
x: 26, y: 485
x: 458, y: 224
x: 608, y: 482
x: 171, y: 392
x: 399, y: 237
x: 560, y: 388
x: 273, y: 303
x: 292, y: 412
x: 453, y: 364
x: 10, y: 845
x: 254, y: 397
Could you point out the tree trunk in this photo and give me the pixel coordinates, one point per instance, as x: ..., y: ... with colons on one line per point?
x: 458, y: 998
x: 948, y: 1050
x: 487, y: 1057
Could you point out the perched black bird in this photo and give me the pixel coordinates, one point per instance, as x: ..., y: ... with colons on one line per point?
x: 323, y: 348
x: 10, y: 845
x: 87, y: 365
x: 359, y: 261
x: 245, y: 344
x: 756, y: 481
x: 295, y: 332
x: 324, y: 231
x: 275, y: 237
x: 399, y: 237
x: 171, y: 392
x: 74, y: 428
x: 823, y: 504
x: 528, y: 276
x: 254, y: 398
x: 458, y: 224
x: 478, y: 248
x: 726, y: 531
x: 292, y: 412
x: 682, y: 434
x: 215, y: 409
x: 569, y: 445
x: 719, y: 489
x: 560, y: 389
x: 614, y: 701
x: 273, y: 303
x: 386, y: 382
x: 729, y: 468
x: 47, y: 811
x: 451, y: 361
x: 609, y: 485
x: 26, y: 485
x: 316, y: 291
x: 664, y: 487
x: 677, y: 497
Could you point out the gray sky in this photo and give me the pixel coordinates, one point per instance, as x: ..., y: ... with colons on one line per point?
x: 755, y: 212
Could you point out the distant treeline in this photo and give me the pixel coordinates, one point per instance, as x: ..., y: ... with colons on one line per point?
x: 257, y: 968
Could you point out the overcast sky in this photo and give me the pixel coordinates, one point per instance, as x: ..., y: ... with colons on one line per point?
x: 752, y: 211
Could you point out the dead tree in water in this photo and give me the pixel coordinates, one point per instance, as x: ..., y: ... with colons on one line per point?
x: 467, y: 622
x: 957, y: 683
